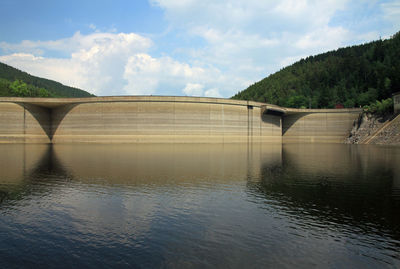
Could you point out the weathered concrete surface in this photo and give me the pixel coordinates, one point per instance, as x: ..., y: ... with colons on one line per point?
x: 141, y: 119
x: 318, y: 125
x: 164, y: 119
x: 57, y: 102
x: 24, y: 123
x: 162, y: 122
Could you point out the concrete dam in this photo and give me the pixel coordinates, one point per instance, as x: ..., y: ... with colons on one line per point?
x: 166, y: 119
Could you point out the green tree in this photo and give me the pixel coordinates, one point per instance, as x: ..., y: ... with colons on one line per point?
x: 367, y: 97
x: 42, y: 92
x: 19, y: 88
x: 353, y: 76
x: 349, y: 103
x: 297, y: 101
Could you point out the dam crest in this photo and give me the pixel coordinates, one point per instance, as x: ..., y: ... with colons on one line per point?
x: 166, y: 119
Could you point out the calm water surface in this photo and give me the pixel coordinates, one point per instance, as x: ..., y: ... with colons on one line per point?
x: 225, y: 206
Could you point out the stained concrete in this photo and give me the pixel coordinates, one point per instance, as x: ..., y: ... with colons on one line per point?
x: 322, y: 126
x: 165, y: 119
x: 24, y: 123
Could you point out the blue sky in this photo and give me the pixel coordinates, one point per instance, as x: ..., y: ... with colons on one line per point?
x: 180, y: 47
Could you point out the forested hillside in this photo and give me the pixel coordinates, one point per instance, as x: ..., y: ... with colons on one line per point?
x: 353, y: 76
x: 14, y: 82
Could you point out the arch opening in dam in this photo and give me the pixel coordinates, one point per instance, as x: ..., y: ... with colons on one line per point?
x: 165, y: 119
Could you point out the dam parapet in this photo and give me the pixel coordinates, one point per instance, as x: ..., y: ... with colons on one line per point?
x: 166, y: 119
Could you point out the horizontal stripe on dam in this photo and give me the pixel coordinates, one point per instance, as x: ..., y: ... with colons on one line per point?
x: 158, y: 119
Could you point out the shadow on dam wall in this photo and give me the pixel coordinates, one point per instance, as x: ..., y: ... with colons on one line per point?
x: 290, y: 121
x: 156, y: 119
x: 44, y: 117
x: 56, y: 120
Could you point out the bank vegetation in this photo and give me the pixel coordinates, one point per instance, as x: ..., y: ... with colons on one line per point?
x: 348, y: 77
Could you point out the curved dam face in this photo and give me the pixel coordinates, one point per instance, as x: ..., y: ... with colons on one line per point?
x: 24, y: 123
x: 157, y: 119
x: 318, y: 125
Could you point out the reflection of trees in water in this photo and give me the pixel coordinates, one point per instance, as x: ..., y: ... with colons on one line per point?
x: 360, y: 199
x: 36, y: 179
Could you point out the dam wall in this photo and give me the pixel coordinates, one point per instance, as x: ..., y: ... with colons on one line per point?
x: 165, y: 119
x: 318, y: 125
x: 24, y: 123
x: 163, y: 122
x: 140, y: 119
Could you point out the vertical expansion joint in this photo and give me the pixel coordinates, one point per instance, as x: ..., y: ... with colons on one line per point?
x: 24, y: 123
x: 248, y: 122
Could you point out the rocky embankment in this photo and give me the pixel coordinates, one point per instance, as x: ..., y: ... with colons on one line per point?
x: 372, y: 129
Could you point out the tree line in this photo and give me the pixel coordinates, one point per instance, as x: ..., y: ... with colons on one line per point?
x: 18, y: 88
x: 350, y: 77
x: 14, y: 82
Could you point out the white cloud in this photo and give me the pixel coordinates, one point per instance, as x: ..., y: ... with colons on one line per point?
x: 373, y: 35
x: 240, y: 42
x: 290, y: 60
x: 114, y: 64
x: 65, y: 71
x: 239, y: 14
x: 213, y: 93
x: 392, y: 14
x: 147, y: 75
x: 247, y: 40
x: 193, y: 89
x: 96, y: 62
x: 392, y: 10
x: 128, y: 42
x: 325, y: 38
x: 310, y: 13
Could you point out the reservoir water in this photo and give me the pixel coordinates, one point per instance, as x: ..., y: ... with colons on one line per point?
x: 199, y: 206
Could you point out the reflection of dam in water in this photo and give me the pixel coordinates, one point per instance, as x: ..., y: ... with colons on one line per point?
x: 147, y: 162
x: 303, y: 174
x: 163, y: 119
x: 24, y: 167
x: 137, y: 164
x: 158, y: 204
